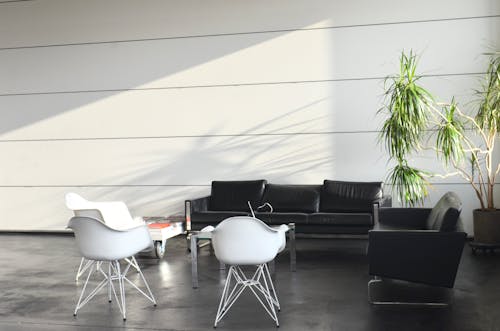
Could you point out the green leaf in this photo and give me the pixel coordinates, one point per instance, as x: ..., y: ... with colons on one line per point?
x: 409, y: 184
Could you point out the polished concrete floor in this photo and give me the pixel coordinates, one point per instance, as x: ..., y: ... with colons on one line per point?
x: 327, y: 292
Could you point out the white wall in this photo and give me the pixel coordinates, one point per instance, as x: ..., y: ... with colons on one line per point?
x: 149, y: 101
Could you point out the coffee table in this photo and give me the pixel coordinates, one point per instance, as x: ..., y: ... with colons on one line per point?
x: 195, y: 236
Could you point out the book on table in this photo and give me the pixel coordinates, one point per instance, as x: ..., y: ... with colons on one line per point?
x: 159, y: 225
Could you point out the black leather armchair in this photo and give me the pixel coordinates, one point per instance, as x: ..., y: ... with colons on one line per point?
x: 417, y: 248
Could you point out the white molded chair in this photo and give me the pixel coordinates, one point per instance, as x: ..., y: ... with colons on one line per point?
x: 101, y: 244
x: 241, y: 241
x: 114, y: 213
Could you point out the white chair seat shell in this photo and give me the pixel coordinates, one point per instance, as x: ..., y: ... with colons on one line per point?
x: 244, y: 240
x: 97, y: 241
x: 114, y: 213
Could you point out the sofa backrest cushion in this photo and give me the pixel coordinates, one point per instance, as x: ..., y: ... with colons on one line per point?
x: 340, y: 196
x: 292, y: 198
x: 233, y: 195
x: 445, y: 214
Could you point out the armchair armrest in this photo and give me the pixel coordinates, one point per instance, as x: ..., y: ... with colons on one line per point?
x: 403, y: 218
x: 427, y: 257
x: 194, y: 205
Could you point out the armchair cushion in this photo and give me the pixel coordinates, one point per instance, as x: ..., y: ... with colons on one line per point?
x: 445, y: 214
x: 339, y: 196
x: 233, y: 195
x: 292, y: 198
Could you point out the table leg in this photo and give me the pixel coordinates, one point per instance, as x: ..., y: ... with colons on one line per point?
x: 188, y: 241
x: 194, y: 260
x: 293, y: 251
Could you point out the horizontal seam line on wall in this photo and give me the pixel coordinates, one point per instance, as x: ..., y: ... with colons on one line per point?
x: 441, y: 183
x: 188, y: 136
x: 250, y: 32
x: 229, y: 85
x: 197, y: 136
x: 104, y: 185
x: 10, y: 1
x: 170, y: 185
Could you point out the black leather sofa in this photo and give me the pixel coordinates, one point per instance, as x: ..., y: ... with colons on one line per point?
x: 336, y: 207
x: 414, y: 253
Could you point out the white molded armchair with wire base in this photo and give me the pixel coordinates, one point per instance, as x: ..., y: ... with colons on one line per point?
x: 100, y: 244
x: 114, y: 213
x: 242, y: 241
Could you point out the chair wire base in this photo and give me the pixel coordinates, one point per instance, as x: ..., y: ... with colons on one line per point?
x: 114, y: 273
x: 260, y: 284
x: 85, y: 264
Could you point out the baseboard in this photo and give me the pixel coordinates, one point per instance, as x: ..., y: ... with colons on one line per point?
x: 37, y: 232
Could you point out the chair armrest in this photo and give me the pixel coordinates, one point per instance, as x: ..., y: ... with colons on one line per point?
x: 403, y: 218
x: 422, y: 256
x: 193, y: 206
x: 199, y: 204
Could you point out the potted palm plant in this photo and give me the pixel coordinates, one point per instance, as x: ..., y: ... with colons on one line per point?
x: 464, y: 142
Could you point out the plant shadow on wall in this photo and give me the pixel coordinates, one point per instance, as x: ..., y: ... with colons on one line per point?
x: 251, y: 154
x: 66, y: 77
x: 463, y: 141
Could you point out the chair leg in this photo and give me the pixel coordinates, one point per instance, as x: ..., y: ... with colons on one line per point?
x: 150, y: 296
x: 83, y: 302
x: 83, y: 289
x: 110, y: 282
x: 84, y: 265
x: 122, y: 290
x: 135, y: 265
x: 271, y: 301
x: 264, y: 290
x: 114, y: 273
x: 223, y: 300
x: 232, y: 291
x: 274, y: 295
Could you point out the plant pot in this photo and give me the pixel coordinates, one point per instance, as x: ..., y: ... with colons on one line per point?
x: 486, y: 226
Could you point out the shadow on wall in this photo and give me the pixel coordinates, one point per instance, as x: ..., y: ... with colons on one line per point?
x: 91, y: 72
x: 277, y: 158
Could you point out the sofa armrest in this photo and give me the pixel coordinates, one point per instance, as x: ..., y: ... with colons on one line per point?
x: 427, y: 257
x: 385, y: 201
x: 193, y: 206
x: 403, y: 218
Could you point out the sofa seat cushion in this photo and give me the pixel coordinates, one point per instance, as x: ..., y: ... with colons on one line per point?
x: 444, y: 216
x: 282, y: 218
x: 292, y: 198
x: 315, y: 229
x: 346, y: 219
x: 233, y: 195
x: 213, y: 217
x: 339, y: 196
